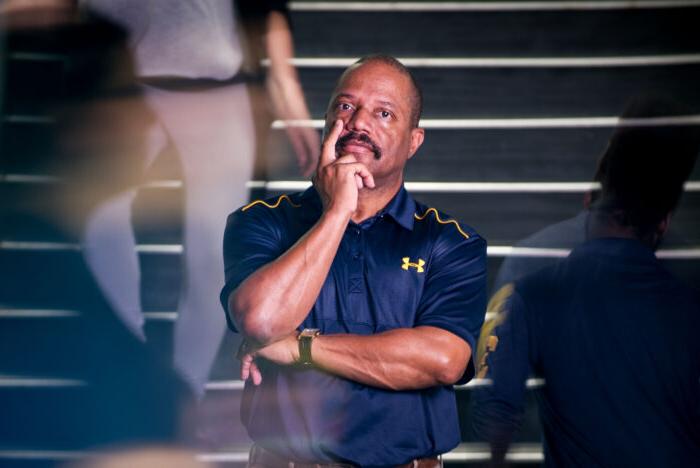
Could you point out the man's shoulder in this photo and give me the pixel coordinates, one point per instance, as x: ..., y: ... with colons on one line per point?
x: 444, y: 226
x: 275, y: 204
x: 277, y: 217
x: 272, y: 209
x: 565, y: 234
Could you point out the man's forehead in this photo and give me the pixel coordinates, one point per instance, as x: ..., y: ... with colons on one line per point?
x: 383, y: 81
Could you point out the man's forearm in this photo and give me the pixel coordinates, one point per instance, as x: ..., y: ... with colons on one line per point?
x: 399, y: 359
x: 272, y: 302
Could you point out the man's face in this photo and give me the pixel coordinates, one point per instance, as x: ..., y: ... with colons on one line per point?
x: 374, y: 102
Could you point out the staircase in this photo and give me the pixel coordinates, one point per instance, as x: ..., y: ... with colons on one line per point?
x: 520, y: 98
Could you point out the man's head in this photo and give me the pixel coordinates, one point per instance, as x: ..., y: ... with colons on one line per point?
x: 380, y: 104
x: 644, y: 168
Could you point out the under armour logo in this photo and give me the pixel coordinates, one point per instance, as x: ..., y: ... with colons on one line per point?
x: 408, y: 264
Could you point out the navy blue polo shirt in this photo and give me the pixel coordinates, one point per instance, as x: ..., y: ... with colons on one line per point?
x: 410, y: 265
x: 615, y: 337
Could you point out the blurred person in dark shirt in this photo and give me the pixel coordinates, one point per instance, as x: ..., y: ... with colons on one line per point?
x: 611, y: 331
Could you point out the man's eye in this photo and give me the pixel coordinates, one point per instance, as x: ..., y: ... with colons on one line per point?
x: 343, y: 106
x: 385, y: 114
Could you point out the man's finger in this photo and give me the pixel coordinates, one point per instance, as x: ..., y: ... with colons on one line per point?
x: 367, y: 178
x: 346, y: 159
x: 359, y: 170
x: 255, y: 373
x: 358, y: 181
x: 246, y: 363
x: 328, y: 148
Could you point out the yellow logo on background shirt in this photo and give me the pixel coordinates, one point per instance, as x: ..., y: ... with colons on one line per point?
x: 408, y: 264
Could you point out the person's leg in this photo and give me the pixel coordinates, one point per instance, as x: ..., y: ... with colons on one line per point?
x: 109, y: 248
x: 214, y: 135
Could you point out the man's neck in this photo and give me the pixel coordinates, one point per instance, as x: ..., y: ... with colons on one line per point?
x: 372, y: 201
x: 601, y: 226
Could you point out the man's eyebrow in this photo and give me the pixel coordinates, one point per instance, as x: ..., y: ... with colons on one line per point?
x: 343, y: 95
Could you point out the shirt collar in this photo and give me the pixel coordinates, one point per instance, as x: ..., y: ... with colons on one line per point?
x: 401, y: 208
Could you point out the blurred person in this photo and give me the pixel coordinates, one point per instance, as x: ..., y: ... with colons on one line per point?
x: 569, y: 233
x: 359, y: 306
x: 610, y: 330
x: 572, y: 232
x: 113, y: 391
x: 190, y: 59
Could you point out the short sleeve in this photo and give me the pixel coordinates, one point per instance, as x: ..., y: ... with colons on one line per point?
x: 454, y: 297
x: 251, y: 240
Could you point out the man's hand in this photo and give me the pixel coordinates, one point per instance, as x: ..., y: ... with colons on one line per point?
x: 338, y: 180
x: 283, y: 352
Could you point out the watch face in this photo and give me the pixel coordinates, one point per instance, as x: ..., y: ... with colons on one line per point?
x: 310, y: 332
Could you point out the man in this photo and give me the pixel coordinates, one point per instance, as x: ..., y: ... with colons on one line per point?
x: 612, y: 332
x: 389, y: 295
x: 570, y: 233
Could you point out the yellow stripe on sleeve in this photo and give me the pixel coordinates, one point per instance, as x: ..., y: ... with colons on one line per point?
x: 277, y: 203
x: 441, y: 221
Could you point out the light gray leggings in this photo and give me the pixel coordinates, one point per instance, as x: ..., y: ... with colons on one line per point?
x: 213, y: 134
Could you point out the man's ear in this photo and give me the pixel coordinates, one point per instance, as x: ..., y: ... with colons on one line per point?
x: 417, y: 137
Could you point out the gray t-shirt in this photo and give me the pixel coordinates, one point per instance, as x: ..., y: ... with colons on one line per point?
x: 190, y: 39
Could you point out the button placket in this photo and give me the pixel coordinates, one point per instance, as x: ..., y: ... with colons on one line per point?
x: 356, y: 266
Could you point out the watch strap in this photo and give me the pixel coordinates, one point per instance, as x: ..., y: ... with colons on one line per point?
x: 305, y: 339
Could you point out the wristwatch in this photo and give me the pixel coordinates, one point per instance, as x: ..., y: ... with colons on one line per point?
x: 305, y: 338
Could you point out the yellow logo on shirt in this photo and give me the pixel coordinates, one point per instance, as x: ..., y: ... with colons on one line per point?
x: 408, y: 264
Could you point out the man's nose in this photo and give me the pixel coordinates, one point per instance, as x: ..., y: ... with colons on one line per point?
x: 359, y: 121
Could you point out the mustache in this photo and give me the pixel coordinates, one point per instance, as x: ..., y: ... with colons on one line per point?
x: 359, y: 137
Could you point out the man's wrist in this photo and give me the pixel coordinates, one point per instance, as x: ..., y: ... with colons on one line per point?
x: 336, y: 215
x: 305, y: 341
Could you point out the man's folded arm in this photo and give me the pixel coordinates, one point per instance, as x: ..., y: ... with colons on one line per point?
x: 275, y: 297
x: 436, y: 351
x: 398, y: 359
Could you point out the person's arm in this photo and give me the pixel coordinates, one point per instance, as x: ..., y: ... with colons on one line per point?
x: 436, y: 351
x: 286, y: 93
x: 274, y: 300
x: 399, y: 359
x: 498, y: 406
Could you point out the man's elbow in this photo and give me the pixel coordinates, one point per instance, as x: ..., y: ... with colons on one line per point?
x: 452, y: 365
x: 250, y: 320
